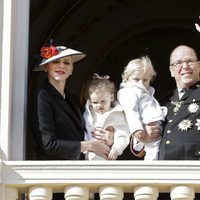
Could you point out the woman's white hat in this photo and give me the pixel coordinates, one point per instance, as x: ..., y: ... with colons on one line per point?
x: 53, y: 53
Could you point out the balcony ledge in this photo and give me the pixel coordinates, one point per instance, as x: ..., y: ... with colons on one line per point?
x: 127, y: 174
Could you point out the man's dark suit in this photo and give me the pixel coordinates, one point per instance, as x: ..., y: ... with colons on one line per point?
x: 57, y: 125
x: 181, y: 134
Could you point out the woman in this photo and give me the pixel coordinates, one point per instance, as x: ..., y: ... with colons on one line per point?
x: 58, y: 125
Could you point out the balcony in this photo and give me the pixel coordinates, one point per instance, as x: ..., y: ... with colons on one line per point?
x: 111, y: 179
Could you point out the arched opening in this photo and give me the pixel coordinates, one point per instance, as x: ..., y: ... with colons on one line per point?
x: 111, y: 34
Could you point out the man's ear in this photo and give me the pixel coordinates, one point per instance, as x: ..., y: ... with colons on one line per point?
x: 171, y: 71
x: 112, y: 97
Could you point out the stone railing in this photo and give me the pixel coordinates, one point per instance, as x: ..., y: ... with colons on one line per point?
x: 111, y: 179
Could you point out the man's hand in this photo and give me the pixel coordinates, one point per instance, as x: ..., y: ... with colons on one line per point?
x: 139, y: 135
x: 197, y: 26
x: 153, y: 133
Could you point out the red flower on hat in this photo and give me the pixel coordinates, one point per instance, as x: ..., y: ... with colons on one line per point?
x: 48, y: 52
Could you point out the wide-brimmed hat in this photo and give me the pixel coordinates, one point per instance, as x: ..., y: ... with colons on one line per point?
x: 53, y: 53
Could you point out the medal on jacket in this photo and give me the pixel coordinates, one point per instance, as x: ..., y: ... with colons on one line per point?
x: 177, y: 105
x: 198, y: 124
x: 185, y: 124
x: 193, y: 108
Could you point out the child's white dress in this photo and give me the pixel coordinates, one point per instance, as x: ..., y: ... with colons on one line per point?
x: 141, y: 108
x: 115, y: 118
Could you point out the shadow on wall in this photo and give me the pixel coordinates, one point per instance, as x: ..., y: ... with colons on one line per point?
x: 2, y: 155
x: 158, y: 44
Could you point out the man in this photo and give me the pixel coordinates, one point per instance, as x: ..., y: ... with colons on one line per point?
x: 181, y: 133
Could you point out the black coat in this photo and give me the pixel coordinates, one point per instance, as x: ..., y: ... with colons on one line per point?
x: 57, y: 125
x: 181, y: 134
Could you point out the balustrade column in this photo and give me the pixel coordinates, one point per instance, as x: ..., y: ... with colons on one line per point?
x: 146, y: 193
x: 182, y: 193
x: 76, y: 193
x: 11, y: 193
x: 40, y: 193
x: 111, y: 192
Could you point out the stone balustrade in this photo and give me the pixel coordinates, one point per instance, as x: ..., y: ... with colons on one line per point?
x: 77, y: 180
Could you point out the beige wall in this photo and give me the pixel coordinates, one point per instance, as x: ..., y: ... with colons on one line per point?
x: 14, y: 25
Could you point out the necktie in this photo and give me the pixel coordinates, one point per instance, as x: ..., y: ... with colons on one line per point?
x: 182, y: 92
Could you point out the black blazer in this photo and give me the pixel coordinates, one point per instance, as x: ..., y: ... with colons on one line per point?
x: 57, y: 125
x: 181, y: 134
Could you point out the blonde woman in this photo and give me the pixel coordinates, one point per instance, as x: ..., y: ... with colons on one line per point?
x: 57, y: 122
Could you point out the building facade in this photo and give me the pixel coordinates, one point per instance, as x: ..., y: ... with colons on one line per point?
x: 110, y: 33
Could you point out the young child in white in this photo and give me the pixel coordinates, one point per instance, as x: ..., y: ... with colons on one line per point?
x: 136, y: 96
x: 102, y: 110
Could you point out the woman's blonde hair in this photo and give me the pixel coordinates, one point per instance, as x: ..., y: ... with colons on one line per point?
x: 142, y: 65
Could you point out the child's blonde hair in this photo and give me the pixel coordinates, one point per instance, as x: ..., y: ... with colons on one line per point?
x: 98, y: 84
x: 142, y: 65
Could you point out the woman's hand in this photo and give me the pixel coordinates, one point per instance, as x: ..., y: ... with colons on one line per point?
x: 97, y: 146
x: 100, y: 148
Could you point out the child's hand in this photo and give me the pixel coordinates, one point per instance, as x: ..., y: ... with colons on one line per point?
x: 107, y: 135
x: 113, y: 154
x: 197, y: 26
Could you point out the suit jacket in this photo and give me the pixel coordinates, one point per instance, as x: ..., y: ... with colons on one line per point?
x: 57, y: 125
x: 181, y: 134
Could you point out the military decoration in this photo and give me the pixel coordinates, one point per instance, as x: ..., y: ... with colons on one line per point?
x: 193, y: 108
x: 185, y: 124
x: 198, y: 124
x: 177, y: 105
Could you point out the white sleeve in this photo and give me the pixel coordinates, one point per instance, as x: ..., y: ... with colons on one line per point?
x: 122, y: 134
x: 129, y: 100
x: 88, y: 122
